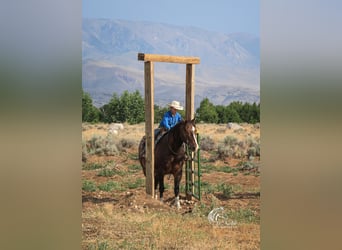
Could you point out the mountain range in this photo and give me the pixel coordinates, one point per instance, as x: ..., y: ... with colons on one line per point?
x: 229, y: 69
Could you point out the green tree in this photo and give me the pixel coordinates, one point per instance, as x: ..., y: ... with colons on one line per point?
x: 227, y: 114
x: 129, y: 107
x: 124, y: 107
x: 254, y: 113
x: 110, y: 112
x: 136, y: 107
x: 159, y: 112
x: 89, y: 112
x: 231, y: 115
x: 220, y: 110
x: 237, y: 106
x: 245, y: 113
x: 207, y: 112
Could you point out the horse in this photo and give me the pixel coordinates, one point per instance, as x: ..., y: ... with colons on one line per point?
x: 169, y: 155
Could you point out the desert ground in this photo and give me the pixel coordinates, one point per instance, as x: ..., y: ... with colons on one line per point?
x: 117, y: 213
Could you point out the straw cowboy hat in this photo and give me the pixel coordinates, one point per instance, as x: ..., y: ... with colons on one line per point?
x: 176, y: 105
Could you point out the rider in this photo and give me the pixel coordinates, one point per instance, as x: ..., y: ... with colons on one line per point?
x: 169, y: 120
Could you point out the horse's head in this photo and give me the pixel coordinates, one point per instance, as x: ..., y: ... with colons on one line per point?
x: 189, y: 135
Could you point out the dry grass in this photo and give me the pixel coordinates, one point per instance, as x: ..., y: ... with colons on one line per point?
x: 125, y: 218
x: 163, y: 230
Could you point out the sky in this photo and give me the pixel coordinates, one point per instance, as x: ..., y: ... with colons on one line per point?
x: 226, y: 16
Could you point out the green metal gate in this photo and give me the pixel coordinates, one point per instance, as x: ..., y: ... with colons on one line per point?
x: 193, y: 173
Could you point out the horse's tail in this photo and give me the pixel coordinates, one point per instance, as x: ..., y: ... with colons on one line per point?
x: 141, y: 153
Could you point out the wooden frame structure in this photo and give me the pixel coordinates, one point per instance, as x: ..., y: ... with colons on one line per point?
x: 149, y: 59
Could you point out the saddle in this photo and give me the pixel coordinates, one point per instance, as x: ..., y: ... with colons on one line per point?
x: 159, y: 133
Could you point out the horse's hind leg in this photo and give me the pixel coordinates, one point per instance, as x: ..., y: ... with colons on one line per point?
x: 161, y: 186
x: 155, y: 187
x: 177, y: 179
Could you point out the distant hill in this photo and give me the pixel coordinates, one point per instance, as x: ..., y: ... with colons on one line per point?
x: 229, y: 69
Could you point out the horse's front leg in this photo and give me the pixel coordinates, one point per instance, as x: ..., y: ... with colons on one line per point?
x: 161, y: 186
x: 177, y: 179
x: 156, y: 181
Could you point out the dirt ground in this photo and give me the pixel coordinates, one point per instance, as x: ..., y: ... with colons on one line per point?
x: 124, y: 217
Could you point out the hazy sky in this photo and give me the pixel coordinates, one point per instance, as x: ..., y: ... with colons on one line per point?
x: 227, y: 16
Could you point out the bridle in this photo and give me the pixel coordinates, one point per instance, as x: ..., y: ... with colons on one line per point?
x: 175, y: 153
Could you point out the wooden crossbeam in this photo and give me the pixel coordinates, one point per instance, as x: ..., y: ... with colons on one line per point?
x: 168, y: 58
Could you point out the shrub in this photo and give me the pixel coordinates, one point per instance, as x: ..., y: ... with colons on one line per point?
x: 244, y: 215
x: 248, y: 166
x: 251, y: 151
x: 136, y: 184
x: 92, y: 166
x: 241, y: 144
x: 253, y: 146
x: 252, y: 142
x: 207, y: 187
x: 239, y: 131
x: 227, y: 190
x: 234, y: 148
x: 221, y: 130
x: 99, y: 246
x: 89, y: 186
x: 102, y: 146
x: 84, y: 152
x: 110, y: 172
x: 228, y: 169
x: 224, y: 151
x: 127, y: 143
x: 134, y: 168
x: 257, y: 125
x: 230, y: 140
x: 239, y: 153
x: 207, y: 143
x: 109, y: 186
x: 257, y: 150
x: 207, y: 168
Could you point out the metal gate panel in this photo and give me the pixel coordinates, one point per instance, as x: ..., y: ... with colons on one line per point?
x: 193, y: 173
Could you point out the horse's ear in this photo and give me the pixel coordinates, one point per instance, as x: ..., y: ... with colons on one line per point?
x: 193, y: 120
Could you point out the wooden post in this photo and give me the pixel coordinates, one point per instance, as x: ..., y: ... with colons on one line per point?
x: 189, y: 112
x: 189, y: 91
x: 149, y: 131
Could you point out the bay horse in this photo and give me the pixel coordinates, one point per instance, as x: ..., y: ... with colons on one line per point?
x: 169, y: 155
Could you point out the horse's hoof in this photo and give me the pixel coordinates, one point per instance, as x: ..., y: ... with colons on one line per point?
x: 177, y: 205
x: 177, y: 202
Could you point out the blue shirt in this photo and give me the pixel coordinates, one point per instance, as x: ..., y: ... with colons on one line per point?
x: 170, y: 120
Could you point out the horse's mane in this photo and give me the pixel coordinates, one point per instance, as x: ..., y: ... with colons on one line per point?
x: 177, y: 125
x: 171, y: 131
x: 173, y: 128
